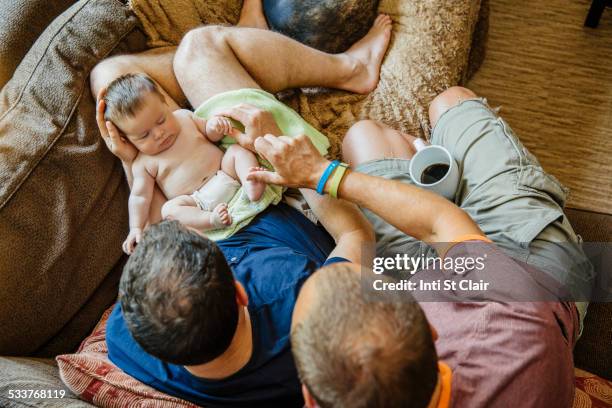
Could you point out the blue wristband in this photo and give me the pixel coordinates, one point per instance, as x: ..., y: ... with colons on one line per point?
x: 328, y: 171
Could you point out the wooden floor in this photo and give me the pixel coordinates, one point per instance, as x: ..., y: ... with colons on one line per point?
x: 553, y: 79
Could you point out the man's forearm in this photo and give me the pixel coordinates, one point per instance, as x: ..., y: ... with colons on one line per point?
x: 337, y: 216
x: 422, y: 214
x: 419, y: 213
x: 344, y: 221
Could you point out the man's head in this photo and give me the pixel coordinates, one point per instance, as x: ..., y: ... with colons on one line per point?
x: 351, y: 352
x: 136, y: 105
x: 178, y: 296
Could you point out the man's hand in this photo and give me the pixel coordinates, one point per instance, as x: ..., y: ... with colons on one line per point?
x: 115, y: 141
x: 256, y: 122
x: 296, y: 160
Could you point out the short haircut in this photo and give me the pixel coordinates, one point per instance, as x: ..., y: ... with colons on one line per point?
x: 352, y: 352
x: 125, y: 95
x: 178, y: 296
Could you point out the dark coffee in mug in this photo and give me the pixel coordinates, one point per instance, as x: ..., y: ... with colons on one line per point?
x: 434, y: 173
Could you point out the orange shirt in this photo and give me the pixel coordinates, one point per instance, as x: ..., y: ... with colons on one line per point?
x: 445, y: 385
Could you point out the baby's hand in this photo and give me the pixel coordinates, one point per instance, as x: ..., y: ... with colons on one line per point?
x: 220, y: 216
x: 132, y: 239
x: 219, y: 125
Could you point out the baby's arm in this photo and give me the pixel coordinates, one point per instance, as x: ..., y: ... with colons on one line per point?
x: 214, y: 128
x: 139, y: 204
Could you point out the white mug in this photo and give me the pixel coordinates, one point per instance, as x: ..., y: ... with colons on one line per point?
x: 433, y: 168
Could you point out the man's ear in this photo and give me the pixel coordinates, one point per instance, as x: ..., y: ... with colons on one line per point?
x: 434, y: 333
x: 241, y: 296
x: 309, y: 402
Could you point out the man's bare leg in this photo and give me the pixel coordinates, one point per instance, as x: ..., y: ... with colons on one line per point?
x: 252, y: 15
x: 157, y: 63
x: 369, y: 140
x: 215, y: 59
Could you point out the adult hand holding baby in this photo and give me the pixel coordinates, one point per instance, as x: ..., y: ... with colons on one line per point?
x: 256, y: 122
x: 116, y: 143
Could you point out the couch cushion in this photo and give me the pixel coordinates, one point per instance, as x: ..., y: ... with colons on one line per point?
x: 91, y: 375
x: 17, y: 37
x: 34, y: 374
x: 62, y: 194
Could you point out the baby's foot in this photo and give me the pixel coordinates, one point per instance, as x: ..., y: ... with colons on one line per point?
x: 368, y: 54
x: 220, y: 216
x: 254, y: 189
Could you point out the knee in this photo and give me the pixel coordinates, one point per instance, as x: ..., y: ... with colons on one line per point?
x: 171, y: 208
x: 233, y: 151
x: 197, y: 41
x: 358, y: 134
x: 446, y: 100
x: 109, y: 69
x: 167, y: 210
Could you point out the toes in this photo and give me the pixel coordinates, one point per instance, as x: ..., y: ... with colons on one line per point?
x: 382, y: 20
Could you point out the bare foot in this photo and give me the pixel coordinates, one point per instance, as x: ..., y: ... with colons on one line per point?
x: 220, y: 217
x: 368, y: 54
x: 254, y: 189
x: 252, y: 15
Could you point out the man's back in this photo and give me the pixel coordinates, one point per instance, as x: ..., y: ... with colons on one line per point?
x: 272, y: 258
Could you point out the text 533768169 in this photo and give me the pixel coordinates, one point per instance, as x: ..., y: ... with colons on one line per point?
x: 36, y: 394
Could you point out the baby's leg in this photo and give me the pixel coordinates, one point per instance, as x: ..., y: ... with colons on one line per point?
x: 185, y: 210
x: 237, y: 162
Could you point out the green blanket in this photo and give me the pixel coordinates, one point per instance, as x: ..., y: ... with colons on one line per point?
x: 290, y: 123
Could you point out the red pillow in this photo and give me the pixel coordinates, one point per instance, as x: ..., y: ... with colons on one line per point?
x: 591, y: 391
x: 91, y: 375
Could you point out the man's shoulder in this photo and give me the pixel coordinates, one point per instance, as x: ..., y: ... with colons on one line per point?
x: 125, y: 352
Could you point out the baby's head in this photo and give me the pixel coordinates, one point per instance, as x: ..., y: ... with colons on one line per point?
x: 136, y: 105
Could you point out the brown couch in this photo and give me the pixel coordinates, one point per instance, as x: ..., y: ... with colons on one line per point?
x: 63, y: 195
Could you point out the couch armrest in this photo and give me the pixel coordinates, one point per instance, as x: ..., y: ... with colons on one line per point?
x: 23, y: 21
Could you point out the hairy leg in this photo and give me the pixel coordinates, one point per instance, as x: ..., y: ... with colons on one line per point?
x: 215, y: 59
x: 370, y: 140
x: 237, y: 162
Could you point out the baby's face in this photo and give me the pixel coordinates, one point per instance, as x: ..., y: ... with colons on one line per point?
x: 153, y: 128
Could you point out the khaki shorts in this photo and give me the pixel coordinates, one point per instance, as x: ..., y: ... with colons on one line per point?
x: 504, y: 189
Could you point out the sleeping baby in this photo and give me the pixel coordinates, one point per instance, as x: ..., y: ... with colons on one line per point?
x: 177, y: 151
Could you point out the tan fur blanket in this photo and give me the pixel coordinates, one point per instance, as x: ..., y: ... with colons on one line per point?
x: 429, y: 52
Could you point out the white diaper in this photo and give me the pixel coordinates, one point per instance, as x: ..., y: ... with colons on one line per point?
x: 220, y: 188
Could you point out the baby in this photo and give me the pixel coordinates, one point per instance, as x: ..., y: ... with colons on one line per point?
x: 177, y: 151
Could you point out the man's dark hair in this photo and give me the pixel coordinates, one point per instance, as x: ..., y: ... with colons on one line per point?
x: 354, y: 352
x: 178, y: 296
